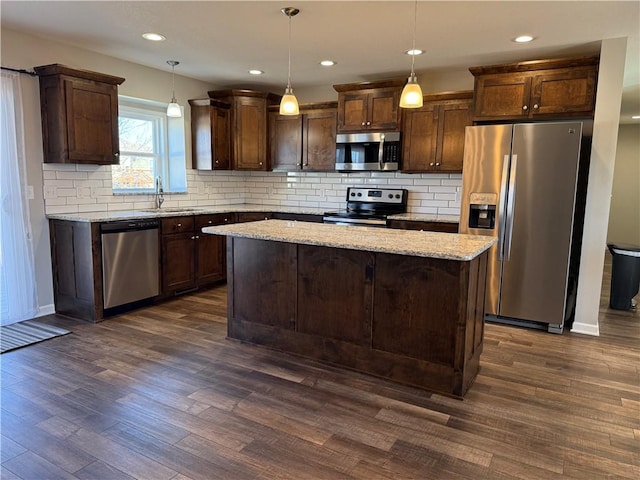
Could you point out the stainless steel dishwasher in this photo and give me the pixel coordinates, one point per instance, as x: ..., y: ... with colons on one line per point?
x: 130, y: 261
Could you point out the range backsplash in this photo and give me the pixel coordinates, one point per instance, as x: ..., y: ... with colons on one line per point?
x: 87, y: 188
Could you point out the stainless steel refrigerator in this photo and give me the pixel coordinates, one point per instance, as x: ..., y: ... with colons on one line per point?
x: 520, y: 183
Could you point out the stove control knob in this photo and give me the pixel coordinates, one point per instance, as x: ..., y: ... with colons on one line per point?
x: 359, y: 194
x: 391, y: 195
x: 353, y: 194
x: 397, y: 195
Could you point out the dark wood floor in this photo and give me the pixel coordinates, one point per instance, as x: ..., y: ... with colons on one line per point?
x: 160, y: 394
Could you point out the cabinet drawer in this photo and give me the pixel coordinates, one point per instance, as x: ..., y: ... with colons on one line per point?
x: 177, y: 225
x: 214, y: 219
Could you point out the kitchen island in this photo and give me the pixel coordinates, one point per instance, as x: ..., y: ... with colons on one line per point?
x: 404, y: 305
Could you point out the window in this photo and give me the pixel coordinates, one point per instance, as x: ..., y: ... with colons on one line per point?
x: 151, y: 145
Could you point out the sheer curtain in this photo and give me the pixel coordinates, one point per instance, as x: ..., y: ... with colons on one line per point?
x: 17, y: 274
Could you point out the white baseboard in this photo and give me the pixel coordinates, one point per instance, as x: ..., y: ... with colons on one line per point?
x: 46, y: 310
x: 586, y: 329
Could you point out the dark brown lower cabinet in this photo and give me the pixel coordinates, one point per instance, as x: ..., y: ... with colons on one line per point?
x: 415, y: 320
x: 76, y: 257
x: 446, y: 227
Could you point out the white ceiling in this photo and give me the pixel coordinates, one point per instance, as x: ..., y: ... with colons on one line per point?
x: 218, y: 42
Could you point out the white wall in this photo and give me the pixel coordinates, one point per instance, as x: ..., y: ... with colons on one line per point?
x: 624, y: 217
x: 603, y: 155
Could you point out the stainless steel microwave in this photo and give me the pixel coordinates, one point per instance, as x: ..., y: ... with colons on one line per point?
x: 379, y: 151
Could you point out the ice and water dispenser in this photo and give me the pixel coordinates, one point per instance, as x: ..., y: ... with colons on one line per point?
x: 482, y: 210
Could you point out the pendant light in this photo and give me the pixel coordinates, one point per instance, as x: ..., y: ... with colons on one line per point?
x: 289, y: 102
x: 411, y: 96
x: 173, y: 109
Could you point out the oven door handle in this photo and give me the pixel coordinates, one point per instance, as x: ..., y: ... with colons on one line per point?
x: 381, y: 152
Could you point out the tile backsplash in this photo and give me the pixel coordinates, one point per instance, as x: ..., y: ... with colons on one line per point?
x: 87, y: 188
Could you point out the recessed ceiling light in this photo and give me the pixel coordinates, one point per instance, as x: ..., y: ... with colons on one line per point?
x: 523, y: 39
x: 414, y: 51
x: 327, y: 63
x: 255, y: 71
x: 635, y: 117
x: 154, y: 37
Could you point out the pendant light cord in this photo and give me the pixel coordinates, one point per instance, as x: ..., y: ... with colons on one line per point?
x: 173, y: 81
x: 289, y: 74
x: 413, y: 49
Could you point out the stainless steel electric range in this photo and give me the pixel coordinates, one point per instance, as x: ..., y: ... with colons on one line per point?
x: 369, y: 207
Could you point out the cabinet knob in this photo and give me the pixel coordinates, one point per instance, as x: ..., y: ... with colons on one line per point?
x: 179, y: 225
x: 217, y: 162
x: 197, y: 236
x: 363, y: 124
x: 193, y: 238
x: 536, y: 106
x: 437, y: 164
x: 431, y: 164
x: 226, y: 219
x: 210, y: 222
x: 524, y: 107
x: 259, y: 163
x: 368, y: 123
x: 298, y: 164
x: 117, y: 154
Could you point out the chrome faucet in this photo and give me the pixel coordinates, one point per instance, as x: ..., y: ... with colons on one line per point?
x: 159, y: 193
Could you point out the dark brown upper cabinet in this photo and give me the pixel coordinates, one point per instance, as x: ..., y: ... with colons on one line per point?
x: 433, y: 135
x: 79, y: 115
x: 369, y: 106
x: 248, y: 126
x: 541, y: 89
x: 210, y: 134
x: 306, y: 141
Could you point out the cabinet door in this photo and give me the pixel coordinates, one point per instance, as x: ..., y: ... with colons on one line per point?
x: 335, y: 293
x: 178, y: 262
x: 384, y: 109
x: 221, y: 141
x: 250, y: 142
x: 452, y: 120
x: 319, y: 141
x: 285, y: 133
x: 212, y: 249
x: 352, y: 111
x: 420, y: 130
x: 505, y: 95
x: 570, y: 91
x: 92, y: 122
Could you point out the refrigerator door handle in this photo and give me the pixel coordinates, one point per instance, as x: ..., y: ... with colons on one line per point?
x: 511, y: 205
x: 501, y: 210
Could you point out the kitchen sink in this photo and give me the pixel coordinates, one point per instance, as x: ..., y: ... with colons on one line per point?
x: 171, y: 209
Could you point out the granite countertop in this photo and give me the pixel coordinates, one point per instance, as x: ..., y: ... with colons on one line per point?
x: 401, y: 242
x: 207, y: 210
x: 179, y: 211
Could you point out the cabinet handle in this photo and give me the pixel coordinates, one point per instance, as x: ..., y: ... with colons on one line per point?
x: 536, y: 106
x: 524, y: 107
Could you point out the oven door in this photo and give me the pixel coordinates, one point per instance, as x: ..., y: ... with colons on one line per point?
x: 355, y: 221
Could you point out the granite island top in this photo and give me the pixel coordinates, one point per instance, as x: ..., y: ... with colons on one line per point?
x: 448, y: 246
x: 207, y: 210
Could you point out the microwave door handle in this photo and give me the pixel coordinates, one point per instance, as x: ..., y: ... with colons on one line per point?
x: 502, y: 208
x: 381, y: 152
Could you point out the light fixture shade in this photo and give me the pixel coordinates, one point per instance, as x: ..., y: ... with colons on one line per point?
x: 411, y: 96
x: 173, y: 109
x: 289, y: 103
